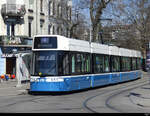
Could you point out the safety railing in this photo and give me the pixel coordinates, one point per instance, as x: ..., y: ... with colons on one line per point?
x: 18, y: 40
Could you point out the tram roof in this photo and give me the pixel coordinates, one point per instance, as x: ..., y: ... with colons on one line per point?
x: 70, y: 44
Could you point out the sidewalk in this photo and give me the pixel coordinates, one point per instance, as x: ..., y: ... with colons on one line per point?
x: 9, y: 88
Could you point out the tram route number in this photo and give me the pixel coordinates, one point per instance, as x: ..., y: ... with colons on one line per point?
x: 52, y: 79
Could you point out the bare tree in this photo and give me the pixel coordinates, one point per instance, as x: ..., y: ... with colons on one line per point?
x: 78, y: 28
x: 96, y: 11
x: 95, y: 8
x: 135, y: 13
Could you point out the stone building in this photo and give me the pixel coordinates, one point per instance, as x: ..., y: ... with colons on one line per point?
x: 41, y: 17
x: 21, y: 20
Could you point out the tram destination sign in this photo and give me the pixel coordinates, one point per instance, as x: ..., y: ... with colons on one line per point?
x: 45, y: 43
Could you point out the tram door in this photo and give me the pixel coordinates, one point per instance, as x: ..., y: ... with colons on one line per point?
x: 11, y: 65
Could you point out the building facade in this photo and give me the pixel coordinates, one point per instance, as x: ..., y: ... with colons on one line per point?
x: 24, y: 19
x: 41, y: 17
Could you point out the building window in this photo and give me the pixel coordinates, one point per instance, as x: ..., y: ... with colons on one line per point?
x: 30, y: 19
x: 29, y: 29
x: 41, y: 5
x: 53, y: 7
x: 59, y: 11
x: 8, y: 29
x: 50, y: 8
x: 68, y: 13
x: 58, y: 30
x: 49, y: 29
x: 41, y: 25
x: 31, y: 2
x: 53, y: 30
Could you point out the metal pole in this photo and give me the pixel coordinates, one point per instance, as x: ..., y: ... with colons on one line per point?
x: 90, y: 35
x: 36, y: 18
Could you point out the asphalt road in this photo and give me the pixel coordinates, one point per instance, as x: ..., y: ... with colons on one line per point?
x: 109, y: 99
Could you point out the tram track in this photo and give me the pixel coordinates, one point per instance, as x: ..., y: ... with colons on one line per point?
x: 112, y: 93
x: 110, y: 98
x: 99, y: 99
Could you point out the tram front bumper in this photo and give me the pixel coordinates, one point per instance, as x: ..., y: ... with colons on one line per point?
x: 47, y: 85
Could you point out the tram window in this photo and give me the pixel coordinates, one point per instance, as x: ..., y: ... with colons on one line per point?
x: 78, y: 63
x: 45, y: 63
x: 122, y: 64
x: 129, y: 64
x: 138, y: 63
x: 73, y: 63
x: 83, y: 64
x: 126, y: 64
x: 115, y: 64
x: 66, y: 64
x: 106, y: 64
x: 99, y: 64
x: 88, y: 63
x: 133, y: 63
x: 63, y: 63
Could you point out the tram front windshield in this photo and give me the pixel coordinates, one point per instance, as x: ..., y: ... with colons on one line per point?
x: 44, y: 63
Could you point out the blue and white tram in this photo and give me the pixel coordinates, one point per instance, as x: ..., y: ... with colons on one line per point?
x: 60, y: 64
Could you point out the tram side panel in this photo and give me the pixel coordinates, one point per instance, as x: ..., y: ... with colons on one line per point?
x: 100, y: 80
x: 115, y: 78
x: 79, y: 82
x: 126, y: 76
x: 46, y: 86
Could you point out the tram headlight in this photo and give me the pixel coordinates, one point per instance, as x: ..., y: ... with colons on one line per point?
x: 40, y: 74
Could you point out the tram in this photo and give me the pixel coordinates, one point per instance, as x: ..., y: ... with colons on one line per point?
x: 61, y: 64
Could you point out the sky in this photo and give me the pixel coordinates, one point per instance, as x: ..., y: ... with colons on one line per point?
x: 85, y: 11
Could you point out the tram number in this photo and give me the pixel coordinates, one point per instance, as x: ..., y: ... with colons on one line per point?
x: 54, y: 80
x: 47, y: 80
x: 37, y: 80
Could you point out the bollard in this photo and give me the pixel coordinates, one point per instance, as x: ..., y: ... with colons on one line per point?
x: 13, y: 76
x: 9, y: 76
x: 6, y: 77
x: 1, y: 80
x: 2, y: 76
